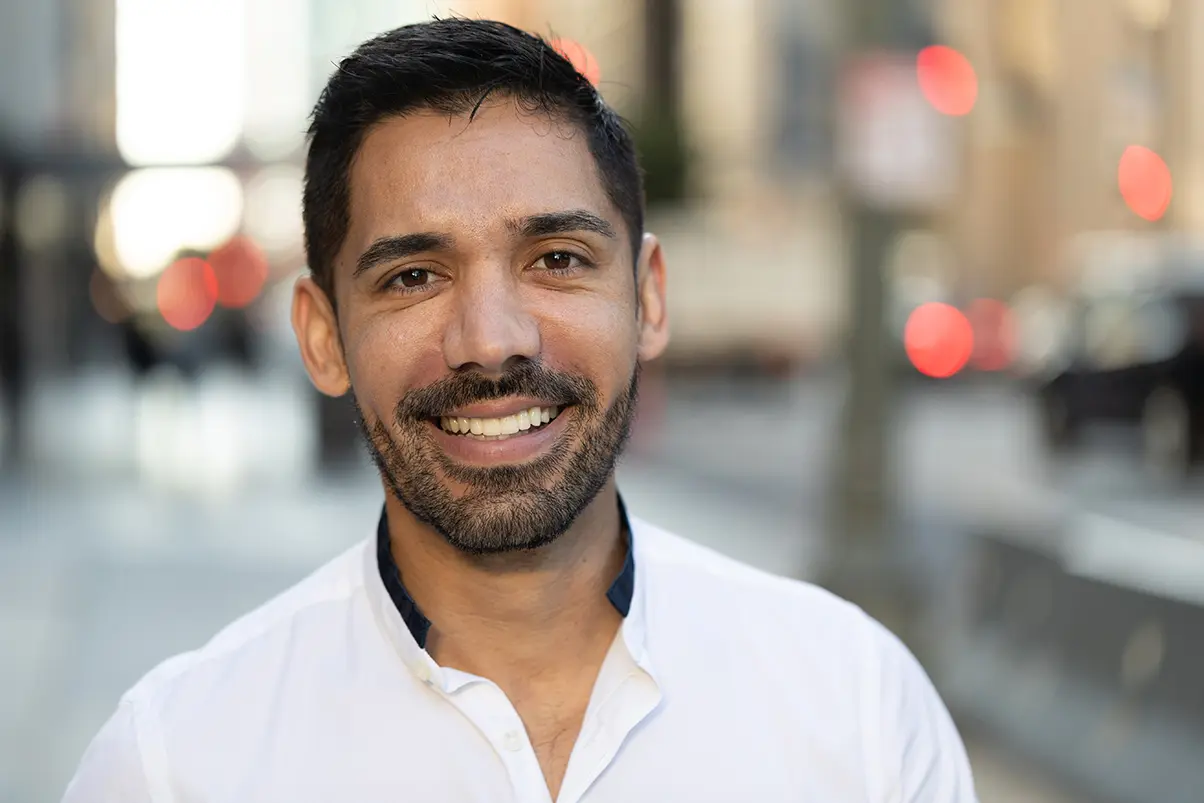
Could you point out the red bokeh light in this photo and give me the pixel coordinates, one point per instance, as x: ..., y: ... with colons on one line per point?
x: 241, y: 270
x: 187, y: 293
x: 939, y: 339
x: 1145, y: 182
x: 580, y: 57
x: 994, y: 334
x: 947, y: 80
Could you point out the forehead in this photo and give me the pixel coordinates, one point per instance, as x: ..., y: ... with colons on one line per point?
x: 429, y: 171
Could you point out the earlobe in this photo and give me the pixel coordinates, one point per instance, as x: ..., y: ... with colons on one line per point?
x: 653, y: 314
x: 316, y: 328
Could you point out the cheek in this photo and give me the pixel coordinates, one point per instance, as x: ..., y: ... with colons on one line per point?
x: 598, y: 339
x: 388, y: 355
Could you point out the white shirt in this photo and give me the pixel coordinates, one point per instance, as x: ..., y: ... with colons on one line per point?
x: 723, y: 684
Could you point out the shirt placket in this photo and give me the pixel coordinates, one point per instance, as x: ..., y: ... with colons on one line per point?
x: 488, y: 708
x: 625, y: 695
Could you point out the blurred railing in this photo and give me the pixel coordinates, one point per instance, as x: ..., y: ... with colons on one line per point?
x: 1081, y: 647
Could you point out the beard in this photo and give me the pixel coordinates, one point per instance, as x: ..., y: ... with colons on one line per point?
x: 506, y: 508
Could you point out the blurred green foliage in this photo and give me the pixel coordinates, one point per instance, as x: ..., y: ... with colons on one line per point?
x: 664, y: 155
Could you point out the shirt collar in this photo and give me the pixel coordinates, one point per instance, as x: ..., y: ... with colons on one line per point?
x: 620, y: 593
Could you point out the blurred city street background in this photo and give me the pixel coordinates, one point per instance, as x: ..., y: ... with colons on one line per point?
x: 937, y: 303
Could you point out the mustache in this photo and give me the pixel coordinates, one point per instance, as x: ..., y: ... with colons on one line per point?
x: 524, y: 378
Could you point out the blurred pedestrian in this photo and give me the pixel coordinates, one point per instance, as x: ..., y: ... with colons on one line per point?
x: 483, y: 287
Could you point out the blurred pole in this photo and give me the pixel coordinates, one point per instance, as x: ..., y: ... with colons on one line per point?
x: 662, y: 37
x: 863, y: 561
x: 11, y: 356
x: 658, y: 125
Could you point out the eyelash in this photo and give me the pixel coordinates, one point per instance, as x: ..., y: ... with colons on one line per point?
x: 582, y: 262
x: 392, y: 284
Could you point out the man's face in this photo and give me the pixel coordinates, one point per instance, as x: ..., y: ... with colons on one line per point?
x: 489, y: 322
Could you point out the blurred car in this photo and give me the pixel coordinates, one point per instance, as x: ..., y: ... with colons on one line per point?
x: 1135, y: 356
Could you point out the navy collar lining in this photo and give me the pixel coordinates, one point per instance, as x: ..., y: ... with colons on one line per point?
x: 619, y: 593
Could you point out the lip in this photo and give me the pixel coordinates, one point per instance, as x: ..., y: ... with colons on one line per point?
x: 500, y: 408
x: 515, y: 449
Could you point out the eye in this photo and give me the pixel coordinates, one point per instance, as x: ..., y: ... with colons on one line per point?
x: 411, y: 279
x: 561, y: 262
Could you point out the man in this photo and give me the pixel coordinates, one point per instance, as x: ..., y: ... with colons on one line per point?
x: 483, y: 287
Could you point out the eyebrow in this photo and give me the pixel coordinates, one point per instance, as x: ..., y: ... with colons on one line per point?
x: 387, y: 249
x: 548, y: 223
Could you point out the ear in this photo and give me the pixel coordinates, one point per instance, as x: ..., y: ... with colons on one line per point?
x: 650, y: 290
x: 317, y: 331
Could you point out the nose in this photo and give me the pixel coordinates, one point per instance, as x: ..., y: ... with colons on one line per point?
x: 491, y: 328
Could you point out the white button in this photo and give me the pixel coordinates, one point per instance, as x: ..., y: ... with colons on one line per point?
x: 512, y: 741
x: 423, y: 672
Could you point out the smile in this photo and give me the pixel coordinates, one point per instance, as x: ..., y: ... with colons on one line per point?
x: 500, y: 428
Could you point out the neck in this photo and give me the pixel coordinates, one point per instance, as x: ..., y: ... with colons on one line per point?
x: 500, y: 614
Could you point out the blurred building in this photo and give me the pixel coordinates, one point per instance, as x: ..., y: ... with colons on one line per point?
x: 1065, y: 87
x: 750, y: 78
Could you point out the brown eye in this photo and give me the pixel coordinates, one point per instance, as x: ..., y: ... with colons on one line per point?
x: 413, y: 278
x: 559, y: 261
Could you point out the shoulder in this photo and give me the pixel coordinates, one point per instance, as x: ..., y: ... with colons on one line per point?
x: 806, y: 643
x: 220, y: 681
x: 253, y: 651
x: 812, y: 651
x: 722, y: 588
x: 917, y: 745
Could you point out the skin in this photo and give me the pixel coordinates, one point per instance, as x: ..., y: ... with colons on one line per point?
x: 534, y: 621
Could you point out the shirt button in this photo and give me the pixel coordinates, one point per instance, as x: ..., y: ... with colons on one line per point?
x: 512, y: 741
x: 423, y: 673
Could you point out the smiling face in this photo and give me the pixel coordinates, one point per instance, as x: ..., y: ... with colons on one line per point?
x: 488, y: 325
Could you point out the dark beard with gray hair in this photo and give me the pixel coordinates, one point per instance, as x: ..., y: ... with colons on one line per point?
x: 508, y: 508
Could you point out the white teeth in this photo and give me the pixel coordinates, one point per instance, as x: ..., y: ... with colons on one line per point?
x: 504, y: 427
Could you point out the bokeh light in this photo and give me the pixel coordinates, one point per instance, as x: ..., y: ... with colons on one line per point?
x: 1151, y: 15
x: 939, y: 339
x: 187, y: 293
x: 272, y: 215
x: 947, y: 80
x: 241, y: 270
x: 994, y: 334
x: 1145, y: 182
x: 180, y: 79
x: 156, y: 212
x: 581, y: 58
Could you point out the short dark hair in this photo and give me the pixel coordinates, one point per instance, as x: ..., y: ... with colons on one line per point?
x: 451, y: 66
